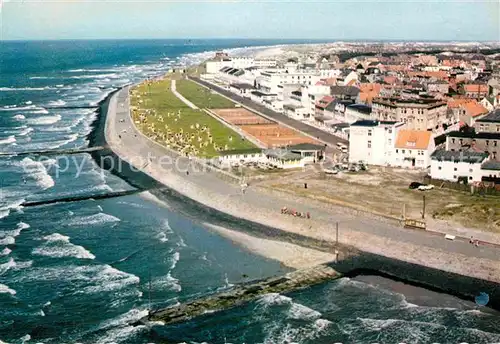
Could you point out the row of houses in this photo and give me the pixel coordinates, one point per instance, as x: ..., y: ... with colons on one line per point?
x: 425, y: 92
x: 471, y: 155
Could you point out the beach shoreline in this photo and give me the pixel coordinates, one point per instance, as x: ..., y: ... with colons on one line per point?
x: 316, y: 233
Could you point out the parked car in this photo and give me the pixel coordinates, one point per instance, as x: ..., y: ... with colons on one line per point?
x: 331, y: 171
x: 426, y: 187
x: 353, y: 168
x: 415, y: 185
x: 362, y: 166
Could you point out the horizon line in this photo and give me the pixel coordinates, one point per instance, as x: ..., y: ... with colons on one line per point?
x: 319, y: 40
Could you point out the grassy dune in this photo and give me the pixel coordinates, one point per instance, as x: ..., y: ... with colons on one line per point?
x: 159, y: 114
x: 201, y: 96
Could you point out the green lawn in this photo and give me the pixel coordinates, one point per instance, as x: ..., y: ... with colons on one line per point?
x: 167, y: 122
x: 201, y: 96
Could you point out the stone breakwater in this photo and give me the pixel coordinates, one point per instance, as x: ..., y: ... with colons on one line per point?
x: 244, y: 293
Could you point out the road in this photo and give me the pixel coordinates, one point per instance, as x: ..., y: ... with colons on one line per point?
x: 227, y: 197
x: 325, y: 137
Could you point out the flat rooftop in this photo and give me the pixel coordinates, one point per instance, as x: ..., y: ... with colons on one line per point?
x: 493, y: 116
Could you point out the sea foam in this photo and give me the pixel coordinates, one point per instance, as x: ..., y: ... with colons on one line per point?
x: 5, y: 289
x: 90, y: 220
x: 37, y: 171
x: 13, y: 232
x: 44, y: 120
x: 13, y: 265
x: 8, y: 140
x: 59, y: 246
x: 19, y: 117
x: 58, y: 102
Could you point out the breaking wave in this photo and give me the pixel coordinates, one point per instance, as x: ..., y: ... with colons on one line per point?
x: 44, y: 120
x: 167, y: 282
x: 37, y: 171
x: 5, y: 289
x: 95, y: 219
x: 175, y: 258
x: 8, y: 140
x: 13, y: 265
x: 59, y: 246
x: 59, y: 102
x: 13, y: 232
x: 25, y: 131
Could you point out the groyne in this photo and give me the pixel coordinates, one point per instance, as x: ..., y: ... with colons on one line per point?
x: 82, y: 198
x: 244, y: 293
x: 51, y: 152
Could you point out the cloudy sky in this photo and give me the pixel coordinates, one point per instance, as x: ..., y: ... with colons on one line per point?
x: 326, y: 19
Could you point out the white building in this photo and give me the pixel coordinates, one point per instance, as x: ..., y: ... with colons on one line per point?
x: 215, y: 65
x: 268, y: 81
x: 283, y: 158
x: 373, y: 141
x: 301, y: 104
x: 452, y: 166
x: 357, y: 112
x: 241, y: 156
x: 413, y: 149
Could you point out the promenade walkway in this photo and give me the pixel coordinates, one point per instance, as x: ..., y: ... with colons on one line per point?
x: 357, y: 229
x: 180, y: 96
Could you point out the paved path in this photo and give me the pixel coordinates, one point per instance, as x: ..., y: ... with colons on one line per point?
x: 180, y: 96
x: 316, y: 133
x: 356, y: 228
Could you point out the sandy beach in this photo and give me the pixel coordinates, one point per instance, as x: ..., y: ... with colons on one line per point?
x: 206, y: 188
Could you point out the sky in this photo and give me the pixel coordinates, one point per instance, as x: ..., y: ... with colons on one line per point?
x: 473, y: 20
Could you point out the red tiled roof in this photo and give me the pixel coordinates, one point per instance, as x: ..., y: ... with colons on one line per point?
x: 323, y: 102
x: 476, y: 88
x: 390, y: 79
x: 413, y: 139
x: 474, y: 109
x: 370, y: 87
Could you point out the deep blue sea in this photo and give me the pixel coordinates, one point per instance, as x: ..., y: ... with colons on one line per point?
x: 84, y: 272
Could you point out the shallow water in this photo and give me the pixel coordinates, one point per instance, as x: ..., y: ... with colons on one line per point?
x: 84, y: 271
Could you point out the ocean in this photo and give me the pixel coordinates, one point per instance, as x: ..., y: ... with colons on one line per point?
x: 86, y: 271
